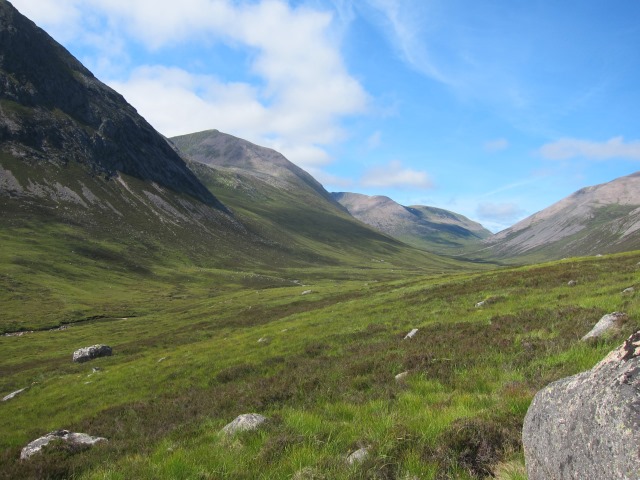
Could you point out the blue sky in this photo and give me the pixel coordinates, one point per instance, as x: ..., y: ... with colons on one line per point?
x: 493, y: 109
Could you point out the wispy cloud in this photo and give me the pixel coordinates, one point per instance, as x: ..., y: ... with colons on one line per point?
x: 374, y: 140
x: 496, y: 145
x: 499, y: 212
x: 615, y: 148
x: 395, y: 175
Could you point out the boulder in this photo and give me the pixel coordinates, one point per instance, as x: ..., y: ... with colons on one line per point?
x: 411, y: 334
x: 401, y: 376
x: 572, y: 283
x: 628, y: 290
x: 245, y: 422
x: 307, y: 292
x: 64, y: 435
x: 480, y: 304
x: 609, y: 322
x: 89, y: 353
x: 358, y: 456
x: 588, y: 426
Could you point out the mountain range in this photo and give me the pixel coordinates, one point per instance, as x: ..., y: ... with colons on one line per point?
x: 74, y: 153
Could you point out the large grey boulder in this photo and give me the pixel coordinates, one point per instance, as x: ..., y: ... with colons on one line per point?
x: 609, y: 322
x: 70, y: 437
x: 358, y: 456
x: 588, y: 426
x: 89, y: 353
x: 247, y: 421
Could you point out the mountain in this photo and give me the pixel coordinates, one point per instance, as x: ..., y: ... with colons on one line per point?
x: 429, y: 228
x: 278, y: 200
x: 594, y: 220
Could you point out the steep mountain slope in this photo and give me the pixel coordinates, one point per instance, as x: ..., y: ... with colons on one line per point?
x: 430, y: 228
x: 280, y: 201
x: 599, y: 219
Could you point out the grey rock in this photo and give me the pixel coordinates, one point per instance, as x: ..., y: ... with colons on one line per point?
x: 358, y: 456
x: 401, y: 376
x: 628, y: 290
x: 411, y: 334
x: 245, y: 422
x: 480, y: 304
x: 588, y: 426
x: 572, y: 283
x: 609, y: 322
x: 307, y: 292
x: 64, y: 435
x: 13, y: 394
x: 89, y: 353
x: 308, y: 473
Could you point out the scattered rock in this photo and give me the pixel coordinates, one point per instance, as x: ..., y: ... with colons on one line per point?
x: 89, y: 353
x: 588, y: 425
x: 69, y: 437
x: 401, y: 376
x: 480, y: 304
x: 245, y: 422
x: 572, y: 283
x: 18, y: 334
x: 96, y: 369
x: 307, y: 292
x: 161, y: 359
x: 607, y: 323
x: 599, y: 255
x: 263, y: 340
x: 411, y: 334
x: 628, y: 290
x: 13, y: 394
x: 358, y: 456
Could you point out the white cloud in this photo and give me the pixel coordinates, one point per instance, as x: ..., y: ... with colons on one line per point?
x: 567, y: 148
x: 496, y: 145
x: 499, y: 212
x: 394, y: 175
x: 299, y: 88
x: 374, y: 140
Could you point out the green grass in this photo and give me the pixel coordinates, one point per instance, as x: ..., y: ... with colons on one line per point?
x: 324, y: 376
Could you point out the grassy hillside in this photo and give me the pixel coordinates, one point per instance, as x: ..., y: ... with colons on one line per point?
x: 187, y: 359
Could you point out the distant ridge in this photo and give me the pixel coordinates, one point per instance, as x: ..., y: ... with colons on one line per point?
x: 433, y: 229
x: 603, y: 218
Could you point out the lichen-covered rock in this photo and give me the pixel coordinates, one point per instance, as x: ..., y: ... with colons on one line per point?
x: 13, y: 394
x: 70, y: 437
x: 89, y: 353
x: 572, y: 283
x: 588, y: 426
x: 609, y: 322
x: 401, y: 376
x: 247, y: 421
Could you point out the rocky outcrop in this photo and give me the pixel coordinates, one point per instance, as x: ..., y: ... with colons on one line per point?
x: 245, y: 422
x: 89, y: 353
x: 608, y: 323
x: 13, y: 394
x: 588, y: 426
x: 69, y: 437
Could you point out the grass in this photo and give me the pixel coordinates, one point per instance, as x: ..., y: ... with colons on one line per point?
x: 187, y: 360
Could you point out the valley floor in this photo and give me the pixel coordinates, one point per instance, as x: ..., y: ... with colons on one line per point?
x: 317, y: 354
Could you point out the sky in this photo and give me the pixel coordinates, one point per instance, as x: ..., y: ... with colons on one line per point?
x: 493, y: 109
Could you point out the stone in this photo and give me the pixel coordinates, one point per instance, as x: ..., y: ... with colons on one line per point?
x: 263, y: 340
x: 308, y: 473
x: 628, y: 290
x: 411, y: 334
x: 13, y: 394
x: 358, y: 456
x: 588, y: 426
x: 89, y: 353
x: 245, y: 422
x: 307, y: 292
x: 572, y: 283
x: 609, y: 322
x: 70, y: 437
x: 480, y: 304
x: 401, y: 376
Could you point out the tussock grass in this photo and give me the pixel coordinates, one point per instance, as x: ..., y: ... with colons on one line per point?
x: 187, y: 360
